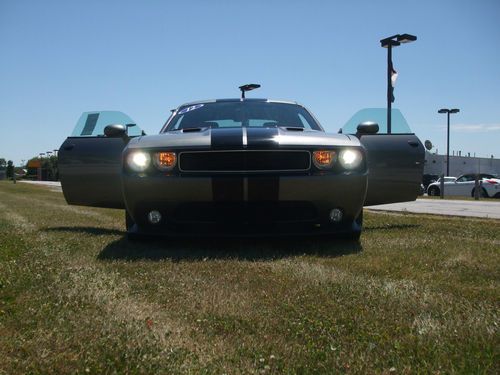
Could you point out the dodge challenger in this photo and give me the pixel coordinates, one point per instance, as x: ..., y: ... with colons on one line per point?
x: 243, y: 166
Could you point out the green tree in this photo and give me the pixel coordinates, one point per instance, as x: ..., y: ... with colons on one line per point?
x: 10, y: 169
x: 50, y: 166
x: 3, y: 163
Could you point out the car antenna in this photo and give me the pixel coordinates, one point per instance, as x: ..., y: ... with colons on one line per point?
x: 249, y: 87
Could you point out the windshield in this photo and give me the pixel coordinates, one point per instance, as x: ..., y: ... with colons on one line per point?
x: 242, y: 114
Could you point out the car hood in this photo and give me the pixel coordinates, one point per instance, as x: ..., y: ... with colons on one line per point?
x: 243, y: 138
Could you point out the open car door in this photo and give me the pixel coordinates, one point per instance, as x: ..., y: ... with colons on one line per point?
x: 90, y: 163
x: 395, y: 161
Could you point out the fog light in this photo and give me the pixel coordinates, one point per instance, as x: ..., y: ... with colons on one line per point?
x: 336, y: 215
x: 154, y: 217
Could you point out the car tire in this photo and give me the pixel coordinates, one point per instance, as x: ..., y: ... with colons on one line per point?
x: 482, y: 193
x: 434, y: 191
x: 134, y: 237
x: 355, y: 234
x: 351, y: 236
x: 129, y: 223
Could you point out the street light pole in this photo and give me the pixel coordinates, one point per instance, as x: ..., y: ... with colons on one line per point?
x: 389, y: 88
x: 448, y: 112
x: 388, y: 43
x: 448, y: 143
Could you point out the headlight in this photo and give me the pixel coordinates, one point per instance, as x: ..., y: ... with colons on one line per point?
x: 165, y: 161
x: 350, y: 158
x: 324, y: 159
x: 138, y: 161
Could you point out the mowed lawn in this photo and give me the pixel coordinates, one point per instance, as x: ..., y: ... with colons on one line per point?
x: 418, y: 294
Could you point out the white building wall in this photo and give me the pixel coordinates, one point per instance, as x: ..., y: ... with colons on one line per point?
x: 436, y: 164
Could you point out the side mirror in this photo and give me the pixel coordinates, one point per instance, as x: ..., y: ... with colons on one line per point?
x: 115, y: 131
x: 367, y: 127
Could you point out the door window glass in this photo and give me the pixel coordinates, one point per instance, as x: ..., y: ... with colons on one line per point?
x: 92, y: 124
x: 378, y: 115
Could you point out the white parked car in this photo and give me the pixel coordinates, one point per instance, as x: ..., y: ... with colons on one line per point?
x: 464, y: 185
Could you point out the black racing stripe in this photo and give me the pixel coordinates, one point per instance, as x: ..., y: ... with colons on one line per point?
x: 226, y: 138
x: 231, y: 188
x: 263, y: 189
x: 262, y: 138
x: 227, y: 189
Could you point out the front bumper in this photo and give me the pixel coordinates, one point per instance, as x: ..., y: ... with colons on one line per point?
x: 246, y: 204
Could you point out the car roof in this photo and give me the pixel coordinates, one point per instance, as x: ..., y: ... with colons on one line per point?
x: 482, y: 175
x: 239, y: 100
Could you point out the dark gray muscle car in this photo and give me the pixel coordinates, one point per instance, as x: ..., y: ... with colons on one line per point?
x: 244, y: 166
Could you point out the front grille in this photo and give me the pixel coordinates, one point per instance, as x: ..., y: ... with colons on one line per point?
x: 245, y: 212
x: 244, y: 161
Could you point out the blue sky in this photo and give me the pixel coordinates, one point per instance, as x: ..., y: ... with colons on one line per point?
x: 61, y: 58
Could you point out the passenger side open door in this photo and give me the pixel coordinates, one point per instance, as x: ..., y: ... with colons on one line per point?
x: 90, y: 163
x: 395, y: 161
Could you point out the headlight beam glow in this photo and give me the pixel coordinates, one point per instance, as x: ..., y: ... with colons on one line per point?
x: 350, y: 158
x: 139, y: 161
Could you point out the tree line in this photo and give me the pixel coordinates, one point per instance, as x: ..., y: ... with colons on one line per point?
x: 49, y: 169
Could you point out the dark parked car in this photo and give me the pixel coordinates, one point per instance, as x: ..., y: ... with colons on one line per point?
x: 428, y: 179
x: 244, y: 166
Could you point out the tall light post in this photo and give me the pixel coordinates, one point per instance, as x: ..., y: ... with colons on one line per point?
x: 448, y: 111
x: 393, y: 41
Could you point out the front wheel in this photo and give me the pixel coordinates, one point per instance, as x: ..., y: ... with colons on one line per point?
x: 357, y: 227
x: 129, y: 222
x: 482, y: 193
x: 351, y: 236
x: 132, y: 234
x: 433, y: 191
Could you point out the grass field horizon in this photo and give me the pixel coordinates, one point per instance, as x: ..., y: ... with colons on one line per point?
x: 417, y: 294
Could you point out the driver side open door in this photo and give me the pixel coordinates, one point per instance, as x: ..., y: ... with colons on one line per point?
x: 395, y: 161
x: 90, y: 163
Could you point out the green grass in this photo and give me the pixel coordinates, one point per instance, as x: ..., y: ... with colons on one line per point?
x: 418, y: 294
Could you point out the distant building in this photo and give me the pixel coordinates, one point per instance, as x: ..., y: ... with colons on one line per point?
x: 436, y: 164
x: 2, y: 174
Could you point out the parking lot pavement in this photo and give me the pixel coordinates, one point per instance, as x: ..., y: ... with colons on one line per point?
x: 53, y: 185
x: 484, y: 209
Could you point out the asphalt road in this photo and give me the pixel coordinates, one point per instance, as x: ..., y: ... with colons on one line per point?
x: 484, y: 209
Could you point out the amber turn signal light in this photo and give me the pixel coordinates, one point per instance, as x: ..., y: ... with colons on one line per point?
x: 165, y: 161
x: 324, y: 159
